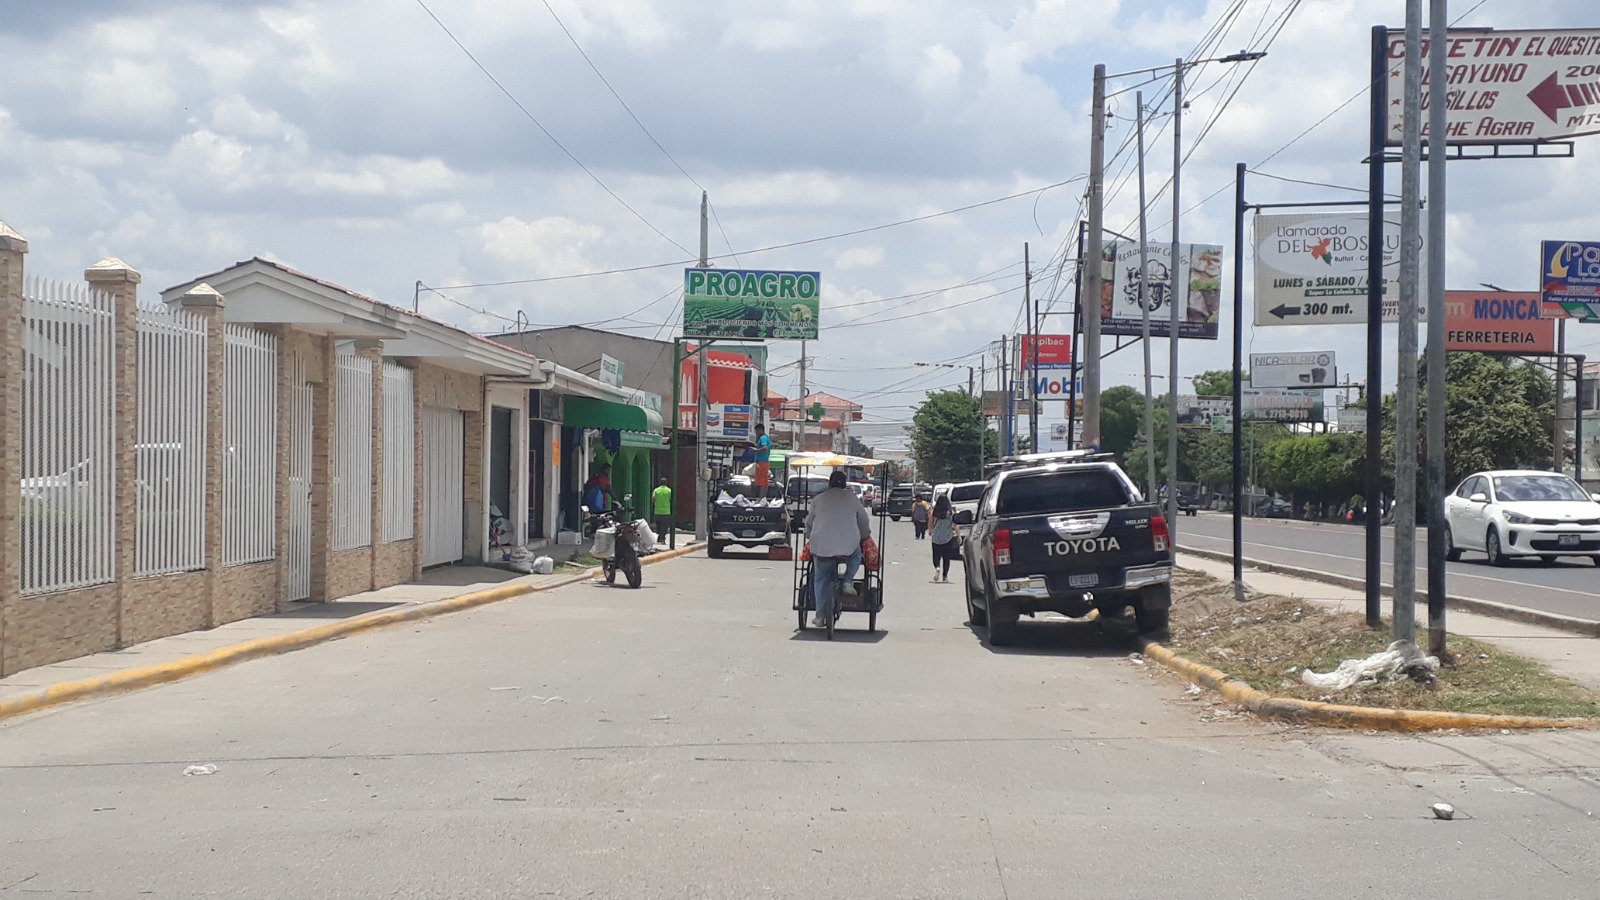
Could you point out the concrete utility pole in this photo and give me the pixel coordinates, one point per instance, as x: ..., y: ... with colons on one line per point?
x: 702, y: 495
x: 1005, y: 398
x: 1030, y: 363
x: 1438, y: 153
x: 801, y: 403
x: 1405, y: 440
x: 1173, y: 295
x: 1144, y: 309
x: 1094, y: 259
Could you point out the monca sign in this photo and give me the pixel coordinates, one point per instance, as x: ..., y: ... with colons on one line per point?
x: 751, y: 303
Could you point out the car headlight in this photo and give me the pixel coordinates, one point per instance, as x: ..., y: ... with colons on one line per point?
x: 1516, y: 518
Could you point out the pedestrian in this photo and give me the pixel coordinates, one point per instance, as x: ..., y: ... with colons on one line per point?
x: 661, y: 507
x: 920, y: 511
x: 597, y: 490
x: 835, y: 529
x: 763, y: 461
x: 945, y: 535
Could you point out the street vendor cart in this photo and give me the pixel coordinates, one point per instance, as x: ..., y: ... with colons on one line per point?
x: 868, y: 581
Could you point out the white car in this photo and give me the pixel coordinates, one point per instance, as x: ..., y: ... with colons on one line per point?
x: 965, y: 496
x: 1522, y: 515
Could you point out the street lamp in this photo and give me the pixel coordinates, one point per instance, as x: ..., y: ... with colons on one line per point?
x: 1094, y: 256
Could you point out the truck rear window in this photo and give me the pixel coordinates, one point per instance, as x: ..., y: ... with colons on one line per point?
x: 1061, y: 491
x: 963, y: 493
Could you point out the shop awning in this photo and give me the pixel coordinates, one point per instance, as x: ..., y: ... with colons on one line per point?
x: 643, y: 441
x: 587, y: 412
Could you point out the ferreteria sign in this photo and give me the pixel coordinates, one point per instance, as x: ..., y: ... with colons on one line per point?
x: 1311, y: 269
x: 1497, y: 322
x: 1508, y: 87
x: 751, y: 303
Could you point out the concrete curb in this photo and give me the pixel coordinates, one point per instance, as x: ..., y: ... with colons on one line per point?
x: 1366, y: 718
x: 124, y: 680
x: 1586, y: 627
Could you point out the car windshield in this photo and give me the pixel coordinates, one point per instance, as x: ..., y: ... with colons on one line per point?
x: 967, y: 492
x: 806, y: 487
x: 1536, y: 488
x: 1058, y: 492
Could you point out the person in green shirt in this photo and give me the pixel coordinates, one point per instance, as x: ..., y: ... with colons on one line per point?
x: 661, y: 509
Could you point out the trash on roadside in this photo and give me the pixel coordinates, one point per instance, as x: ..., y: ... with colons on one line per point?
x: 1402, y: 659
x: 1194, y: 689
x: 1444, y: 811
x: 521, y: 560
x: 207, y: 769
x: 544, y: 565
x: 1136, y: 658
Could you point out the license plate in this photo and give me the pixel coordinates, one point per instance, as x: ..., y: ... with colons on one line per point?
x: 1083, y: 580
x: 1570, y: 540
x: 750, y: 532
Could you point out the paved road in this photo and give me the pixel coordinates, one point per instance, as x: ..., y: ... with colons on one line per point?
x: 683, y: 741
x: 1570, y: 587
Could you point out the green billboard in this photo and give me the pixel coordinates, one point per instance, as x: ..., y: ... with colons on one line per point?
x: 751, y: 303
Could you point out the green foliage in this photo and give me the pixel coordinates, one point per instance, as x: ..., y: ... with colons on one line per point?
x: 1121, y: 418
x: 1322, y: 468
x: 1215, y: 383
x: 946, y: 432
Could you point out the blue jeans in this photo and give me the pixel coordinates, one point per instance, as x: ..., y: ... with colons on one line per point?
x: 825, y: 573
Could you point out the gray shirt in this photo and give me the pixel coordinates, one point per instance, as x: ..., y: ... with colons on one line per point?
x: 837, y: 524
x: 944, y: 530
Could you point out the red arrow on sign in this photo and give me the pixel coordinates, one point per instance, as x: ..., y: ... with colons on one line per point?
x: 1552, y: 97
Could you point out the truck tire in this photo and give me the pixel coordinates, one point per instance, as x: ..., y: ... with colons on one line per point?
x: 1002, y: 627
x: 975, y: 617
x: 894, y: 518
x: 1154, y: 612
x: 714, y: 549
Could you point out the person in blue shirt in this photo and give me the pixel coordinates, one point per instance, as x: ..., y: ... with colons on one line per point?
x: 763, y: 458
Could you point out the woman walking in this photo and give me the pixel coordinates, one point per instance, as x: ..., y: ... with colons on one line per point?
x: 919, y: 517
x: 945, y: 536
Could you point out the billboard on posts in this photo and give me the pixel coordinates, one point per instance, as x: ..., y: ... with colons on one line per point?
x: 1497, y: 322
x: 751, y: 303
x: 1197, y: 290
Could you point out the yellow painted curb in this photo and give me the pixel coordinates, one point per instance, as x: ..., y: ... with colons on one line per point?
x: 1310, y: 712
x: 125, y: 680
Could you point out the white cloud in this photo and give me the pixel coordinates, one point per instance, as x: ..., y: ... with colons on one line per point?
x: 859, y: 258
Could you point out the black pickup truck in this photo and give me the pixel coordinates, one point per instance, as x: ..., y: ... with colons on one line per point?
x: 1066, y: 533
x: 745, y: 526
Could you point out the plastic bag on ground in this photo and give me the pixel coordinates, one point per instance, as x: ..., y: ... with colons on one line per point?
x: 1400, y: 660
x: 521, y: 560
x: 605, y: 543
x: 544, y: 565
x: 646, y: 539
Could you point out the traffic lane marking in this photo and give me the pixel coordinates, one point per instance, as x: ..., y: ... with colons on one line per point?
x: 1390, y: 565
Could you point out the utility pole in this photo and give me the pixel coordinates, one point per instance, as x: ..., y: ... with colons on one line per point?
x: 1077, y: 327
x: 703, y: 494
x: 1177, y: 270
x: 1558, y: 431
x: 1377, y: 161
x: 1405, y: 440
x: 1093, y: 257
x: 1438, y: 154
x: 1005, y: 398
x: 1144, y: 309
x: 804, y: 413
x: 1031, y: 359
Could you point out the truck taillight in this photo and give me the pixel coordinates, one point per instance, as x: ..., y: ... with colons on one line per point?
x: 1158, y: 531
x: 1002, y: 547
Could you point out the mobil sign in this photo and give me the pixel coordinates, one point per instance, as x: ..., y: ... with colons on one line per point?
x: 1053, y: 384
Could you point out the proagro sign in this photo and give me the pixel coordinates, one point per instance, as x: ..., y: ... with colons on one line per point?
x: 1293, y: 370
x: 1569, y: 279
x: 1199, y: 290
x: 1508, y: 87
x: 1496, y: 322
x: 1311, y: 269
x: 751, y: 303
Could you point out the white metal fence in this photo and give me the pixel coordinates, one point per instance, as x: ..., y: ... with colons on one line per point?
x: 68, y: 423
x: 352, y: 453
x: 443, y: 462
x: 249, y: 456
x: 170, y: 455
x: 399, y: 453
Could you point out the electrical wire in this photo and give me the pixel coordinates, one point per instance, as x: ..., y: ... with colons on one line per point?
x: 540, y: 125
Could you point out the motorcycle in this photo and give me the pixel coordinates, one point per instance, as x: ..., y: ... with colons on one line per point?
x: 624, y: 557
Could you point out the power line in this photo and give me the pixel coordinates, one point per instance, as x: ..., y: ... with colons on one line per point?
x: 540, y: 125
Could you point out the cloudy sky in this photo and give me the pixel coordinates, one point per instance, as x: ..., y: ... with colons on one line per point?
x: 548, y: 143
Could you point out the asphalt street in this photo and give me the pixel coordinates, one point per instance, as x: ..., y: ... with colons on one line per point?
x: 682, y: 740
x: 1570, y: 586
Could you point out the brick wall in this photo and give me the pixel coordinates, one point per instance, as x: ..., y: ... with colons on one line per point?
x: 166, y: 605
x: 246, y: 591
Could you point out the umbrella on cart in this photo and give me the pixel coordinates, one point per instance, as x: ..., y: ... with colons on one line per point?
x: 807, y: 460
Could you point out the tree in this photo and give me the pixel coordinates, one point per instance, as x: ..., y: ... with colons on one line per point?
x: 946, y: 432
x: 1215, y: 383
x: 1320, y: 468
x: 1121, y: 418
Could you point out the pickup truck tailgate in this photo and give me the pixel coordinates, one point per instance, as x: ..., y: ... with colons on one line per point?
x: 1081, y: 542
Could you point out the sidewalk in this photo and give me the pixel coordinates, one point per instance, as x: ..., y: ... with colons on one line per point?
x: 1564, y: 653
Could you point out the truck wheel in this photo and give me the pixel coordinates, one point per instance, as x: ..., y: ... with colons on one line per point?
x: 714, y: 549
x: 1002, y: 627
x: 975, y: 616
x: 894, y: 518
x: 1154, y: 612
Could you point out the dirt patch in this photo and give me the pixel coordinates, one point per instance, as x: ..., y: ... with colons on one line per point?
x: 1267, y: 641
